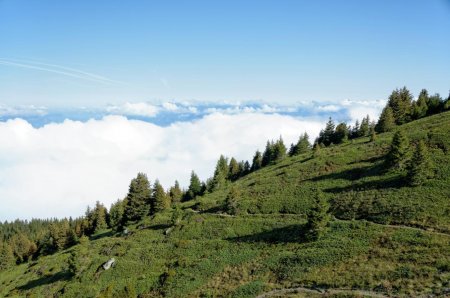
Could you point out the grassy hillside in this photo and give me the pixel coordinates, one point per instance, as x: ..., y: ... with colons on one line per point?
x: 386, y: 238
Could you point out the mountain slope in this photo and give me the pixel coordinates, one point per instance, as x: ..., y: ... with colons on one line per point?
x: 387, y: 238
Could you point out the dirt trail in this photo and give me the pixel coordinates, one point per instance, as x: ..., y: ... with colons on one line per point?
x: 321, y: 292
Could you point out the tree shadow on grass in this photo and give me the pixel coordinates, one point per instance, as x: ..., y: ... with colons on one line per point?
x: 102, y: 235
x: 353, y: 174
x: 292, y: 233
x: 45, y: 280
x: 394, y: 182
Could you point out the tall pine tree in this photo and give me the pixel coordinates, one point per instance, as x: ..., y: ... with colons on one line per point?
x: 419, y: 170
x: 399, y: 152
x: 138, y: 199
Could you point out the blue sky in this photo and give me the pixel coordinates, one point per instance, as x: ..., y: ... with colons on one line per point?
x: 276, y: 51
x: 92, y: 92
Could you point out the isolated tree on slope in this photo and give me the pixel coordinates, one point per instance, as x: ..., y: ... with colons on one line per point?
x: 399, y: 152
x: 231, y: 201
x: 386, y: 121
x: 419, y: 169
x: 318, y: 218
x: 138, y: 198
x: 159, y: 201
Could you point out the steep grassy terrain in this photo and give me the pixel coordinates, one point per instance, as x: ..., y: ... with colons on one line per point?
x: 386, y: 238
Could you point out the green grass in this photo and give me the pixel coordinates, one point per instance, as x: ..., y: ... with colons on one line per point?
x: 211, y: 254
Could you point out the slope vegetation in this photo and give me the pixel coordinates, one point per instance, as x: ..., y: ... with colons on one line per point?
x: 386, y: 238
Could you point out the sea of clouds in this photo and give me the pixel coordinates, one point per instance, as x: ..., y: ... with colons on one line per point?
x: 50, y: 167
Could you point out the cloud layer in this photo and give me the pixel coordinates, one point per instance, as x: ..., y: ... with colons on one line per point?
x: 60, y: 168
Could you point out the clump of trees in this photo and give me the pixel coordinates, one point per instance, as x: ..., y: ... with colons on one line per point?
x: 401, y: 108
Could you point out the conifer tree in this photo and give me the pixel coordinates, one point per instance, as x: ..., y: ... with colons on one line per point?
x: 316, y: 149
x: 159, y: 200
x: 420, y: 107
x: 257, y: 161
x: 364, y: 127
x: 138, y: 199
x: 399, y: 152
x: 341, y: 133
x: 419, y: 169
x: 267, y: 156
x: 303, y: 144
x: 318, y: 218
x: 247, y: 168
x: 386, y: 121
x: 220, y: 173
x: 116, y: 215
x: 327, y: 136
x: 6, y: 256
x: 400, y: 102
x: 435, y: 104
x: 233, y: 169
x: 279, y: 150
x: 231, y: 201
x: 373, y: 134
x: 100, y: 214
x: 175, y: 192
x: 195, y: 187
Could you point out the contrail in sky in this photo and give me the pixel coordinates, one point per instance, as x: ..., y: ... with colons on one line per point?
x: 58, y: 69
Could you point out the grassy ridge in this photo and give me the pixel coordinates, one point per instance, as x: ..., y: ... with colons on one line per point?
x: 214, y: 255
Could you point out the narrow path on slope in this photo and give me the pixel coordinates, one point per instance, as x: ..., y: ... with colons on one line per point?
x: 321, y: 291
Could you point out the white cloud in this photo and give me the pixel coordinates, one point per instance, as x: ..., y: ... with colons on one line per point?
x: 134, y: 109
x: 58, y: 169
x: 170, y: 106
x: 329, y: 108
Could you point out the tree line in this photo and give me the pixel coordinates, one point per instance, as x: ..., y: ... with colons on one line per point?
x: 21, y: 241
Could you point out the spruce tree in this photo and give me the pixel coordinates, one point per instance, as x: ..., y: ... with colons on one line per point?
x: 116, y: 215
x: 419, y: 169
x: 138, y: 199
x: 373, y: 134
x: 159, y: 200
x: 364, y: 128
x: 303, y: 144
x: 279, y: 150
x: 399, y: 152
x: 341, y: 133
x: 100, y: 214
x: 175, y: 193
x: 386, y: 121
x: 267, y: 156
x: 220, y: 173
x: 195, y: 187
x: 316, y: 149
x: 400, y: 101
x: 233, y: 169
x: 257, y: 161
x: 327, y: 136
x: 318, y: 218
x: 231, y: 201
x: 420, y: 107
x: 247, y: 168
x: 6, y: 256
